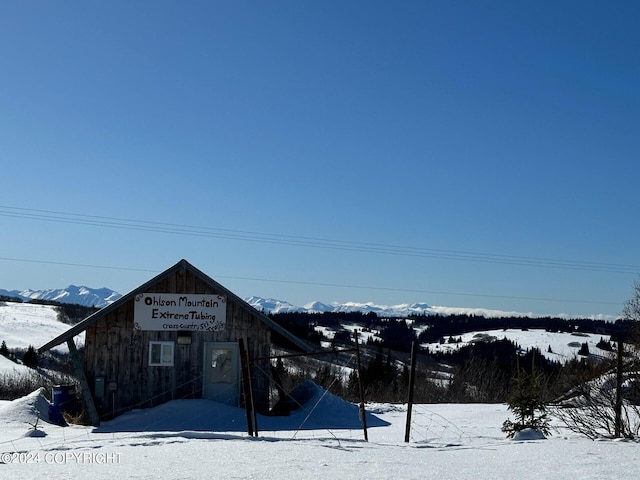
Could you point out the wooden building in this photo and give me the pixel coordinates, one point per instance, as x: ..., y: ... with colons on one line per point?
x: 176, y: 336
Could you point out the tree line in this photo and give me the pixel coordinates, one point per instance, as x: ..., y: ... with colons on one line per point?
x: 399, y: 333
x: 482, y: 371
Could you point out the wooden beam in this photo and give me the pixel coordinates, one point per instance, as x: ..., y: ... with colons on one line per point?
x: 84, y: 385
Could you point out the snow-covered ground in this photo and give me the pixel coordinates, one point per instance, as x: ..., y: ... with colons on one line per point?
x: 24, y: 324
x: 564, y: 346
x: 187, y: 439
x: 15, y: 375
x: 8, y: 367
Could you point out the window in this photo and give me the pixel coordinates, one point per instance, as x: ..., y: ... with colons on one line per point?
x: 221, y: 365
x: 160, y: 354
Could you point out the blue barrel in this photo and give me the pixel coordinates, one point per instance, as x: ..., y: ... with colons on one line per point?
x: 64, y: 397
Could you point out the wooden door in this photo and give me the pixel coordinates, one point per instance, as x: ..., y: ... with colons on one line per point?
x: 222, y: 372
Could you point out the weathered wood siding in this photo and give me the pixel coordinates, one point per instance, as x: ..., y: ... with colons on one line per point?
x: 119, y: 353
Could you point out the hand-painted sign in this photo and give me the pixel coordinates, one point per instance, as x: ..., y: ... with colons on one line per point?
x: 177, y: 311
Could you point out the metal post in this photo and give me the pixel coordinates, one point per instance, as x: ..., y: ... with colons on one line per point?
x: 251, y: 400
x: 412, y: 379
x: 363, y: 413
x: 246, y: 383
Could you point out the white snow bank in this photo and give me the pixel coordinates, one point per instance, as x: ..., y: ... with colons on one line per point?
x: 28, y: 410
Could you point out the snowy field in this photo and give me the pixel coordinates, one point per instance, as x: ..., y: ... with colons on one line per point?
x: 187, y: 439
x: 564, y: 346
x: 24, y: 324
x: 7, y: 367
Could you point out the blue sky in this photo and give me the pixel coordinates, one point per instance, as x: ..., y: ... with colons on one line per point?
x: 478, y: 154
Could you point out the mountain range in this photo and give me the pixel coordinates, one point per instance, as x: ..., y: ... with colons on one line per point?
x: 80, y: 295
x: 101, y: 297
x: 271, y: 305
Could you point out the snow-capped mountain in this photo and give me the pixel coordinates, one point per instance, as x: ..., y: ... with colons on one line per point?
x: 81, y: 295
x: 271, y: 305
x: 101, y: 297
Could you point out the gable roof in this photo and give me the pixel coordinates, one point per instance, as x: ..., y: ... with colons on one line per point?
x: 181, y: 266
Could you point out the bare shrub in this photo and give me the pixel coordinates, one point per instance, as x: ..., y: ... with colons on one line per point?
x: 608, y: 404
x: 18, y: 384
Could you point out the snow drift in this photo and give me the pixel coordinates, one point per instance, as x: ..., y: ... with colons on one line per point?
x: 313, y: 408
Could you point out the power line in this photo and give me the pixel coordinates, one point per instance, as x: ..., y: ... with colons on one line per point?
x: 321, y: 284
x: 83, y: 265
x: 310, y: 242
x: 431, y: 292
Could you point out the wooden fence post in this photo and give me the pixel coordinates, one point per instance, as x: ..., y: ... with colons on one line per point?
x: 619, y: 379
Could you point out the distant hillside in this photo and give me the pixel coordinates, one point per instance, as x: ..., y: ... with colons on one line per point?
x: 24, y: 324
x: 398, y: 333
x: 79, y: 295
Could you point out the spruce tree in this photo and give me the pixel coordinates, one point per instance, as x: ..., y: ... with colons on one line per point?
x: 584, y: 350
x: 4, y: 351
x: 30, y: 358
x: 527, y: 403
